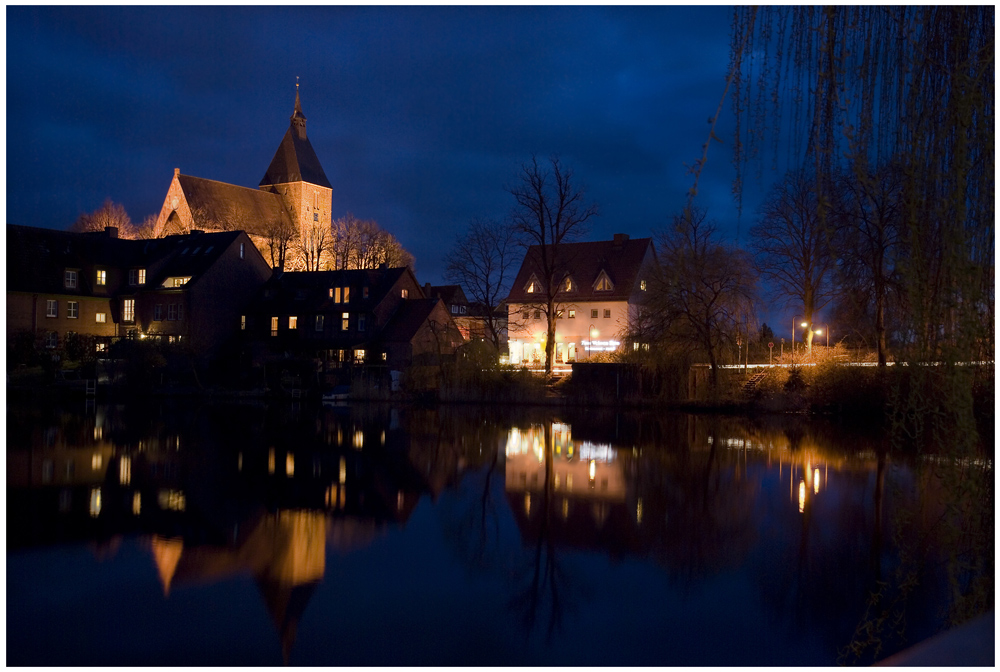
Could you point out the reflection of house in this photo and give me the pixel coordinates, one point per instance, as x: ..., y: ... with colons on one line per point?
x: 357, y: 317
x: 187, y: 289
x: 293, y: 199
x: 601, y: 286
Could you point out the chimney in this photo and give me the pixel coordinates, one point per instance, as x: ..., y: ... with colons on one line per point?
x: 177, y: 172
x: 112, y: 231
x: 427, y: 288
x: 620, y: 239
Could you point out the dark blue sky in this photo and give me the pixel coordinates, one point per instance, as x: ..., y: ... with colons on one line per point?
x: 419, y: 115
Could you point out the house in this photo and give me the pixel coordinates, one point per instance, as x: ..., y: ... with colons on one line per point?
x: 348, y: 319
x: 470, y: 317
x: 287, y: 216
x: 601, y: 288
x: 186, y: 289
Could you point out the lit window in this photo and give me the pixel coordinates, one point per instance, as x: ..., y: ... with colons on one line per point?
x: 101, y: 317
x: 335, y: 293
x: 607, y: 312
x: 642, y: 285
x: 384, y: 356
x: 274, y: 326
x: 72, y: 309
x: 572, y: 313
x: 604, y: 284
x: 70, y: 279
x: 593, y: 313
x: 532, y: 287
x: 359, y: 356
x: 142, y: 276
x: 100, y: 347
x: 344, y: 321
x: 172, y: 311
x: 319, y: 323
x: 51, y: 339
x: 102, y: 278
x: 293, y: 322
x: 243, y: 322
x: 404, y: 293
x: 158, y: 312
x: 128, y: 310
x: 559, y: 314
x: 568, y: 285
x: 361, y: 322
x: 347, y: 294
x: 51, y: 308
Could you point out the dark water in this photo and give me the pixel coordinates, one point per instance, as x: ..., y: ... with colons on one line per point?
x: 207, y: 533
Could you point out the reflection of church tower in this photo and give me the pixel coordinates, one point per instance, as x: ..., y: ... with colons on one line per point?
x: 296, y: 174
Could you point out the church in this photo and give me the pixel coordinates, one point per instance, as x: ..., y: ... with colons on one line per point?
x: 287, y: 217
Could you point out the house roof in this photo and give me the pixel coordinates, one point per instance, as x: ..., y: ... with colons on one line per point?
x: 218, y: 205
x: 295, y: 160
x: 408, y: 319
x: 450, y: 294
x: 186, y: 255
x: 36, y: 258
x: 297, y: 290
x: 620, y: 260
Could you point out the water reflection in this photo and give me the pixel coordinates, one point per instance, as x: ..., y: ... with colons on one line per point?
x: 780, y: 512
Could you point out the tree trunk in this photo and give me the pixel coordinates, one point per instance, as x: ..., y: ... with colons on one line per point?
x: 550, y: 340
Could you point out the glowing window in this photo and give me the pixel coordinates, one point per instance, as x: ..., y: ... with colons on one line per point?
x: 604, y: 284
x: 572, y: 313
x: 359, y: 356
x: 642, y: 286
x: 404, y: 293
x: 274, y: 326
x: 568, y: 285
x: 128, y: 310
x: 532, y: 287
x: 243, y: 322
x: 142, y: 276
x: 102, y: 278
x: 293, y: 322
x: 345, y: 319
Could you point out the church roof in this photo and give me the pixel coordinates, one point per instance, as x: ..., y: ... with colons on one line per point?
x: 295, y: 160
x: 219, y: 205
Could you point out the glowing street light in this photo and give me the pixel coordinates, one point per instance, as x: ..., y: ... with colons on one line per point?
x: 826, y: 328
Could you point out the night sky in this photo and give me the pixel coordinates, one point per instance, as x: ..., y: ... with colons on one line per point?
x: 419, y: 115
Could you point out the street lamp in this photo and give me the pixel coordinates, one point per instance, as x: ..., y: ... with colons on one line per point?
x: 826, y: 328
x: 804, y: 325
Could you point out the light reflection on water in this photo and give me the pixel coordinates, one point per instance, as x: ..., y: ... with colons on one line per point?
x: 498, y: 539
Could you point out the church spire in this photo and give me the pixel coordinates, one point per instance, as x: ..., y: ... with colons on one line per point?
x: 298, y: 119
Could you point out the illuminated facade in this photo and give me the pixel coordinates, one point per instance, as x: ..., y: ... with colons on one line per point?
x: 601, y: 288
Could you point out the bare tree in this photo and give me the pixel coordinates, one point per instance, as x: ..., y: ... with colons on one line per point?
x: 358, y: 243
x: 792, y: 244
x: 703, y: 290
x: 278, y: 235
x: 869, y: 241
x: 549, y: 211
x: 481, y: 263
x: 314, y: 246
x: 110, y: 214
x: 144, y: 230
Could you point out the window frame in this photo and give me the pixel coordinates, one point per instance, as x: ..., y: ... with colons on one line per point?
x: 128, y: 310
x: 73, y: 310
x: 51, y: 308
x: 71, y: 278
x: 101, y: 278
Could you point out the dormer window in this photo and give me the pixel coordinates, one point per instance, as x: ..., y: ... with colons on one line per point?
x: 404, y: 293
x: 642, y: 285
x: 603, y: 283
x: 532, y: 287
x: 102, y: 278
x: 137, y: 276
x: 70, y: 279
x: 567, y: 284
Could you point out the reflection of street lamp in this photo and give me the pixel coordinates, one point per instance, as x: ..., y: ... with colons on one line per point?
x: 590, y: 334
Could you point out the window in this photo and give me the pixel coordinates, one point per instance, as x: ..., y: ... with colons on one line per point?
x: 532, y: 287
x: 462, y: 310
x: 137, y: 276
x: 315, y: 216
x: 593, y: 313
x: 347, y: 294
x: 274, y: 326
x: 293, y: 322
x: 454, y: 310
x: 51, y: 308
x: 51, y: 339
x: 359, y: 356
x: 180, y: 311
x: 604, y: 284
x: 72, y: 309
x: 525, y: 315
x: 572, y: 313
x: 319, y: 323
x: 567, y: 285
x: 642, y: 285
x: 243, y: 250
x: 101, y: 317
x: 384, y: 356
x: 362, y: 322
x: 344, y: 321
x: 404, y: 293
x: 158, y: 312
x: 607, y: 313
x: 142, y: 276
x: 102, y: 278
x: 100, y: 346
x: 172, y: 312
x: 128, y: 310
x: 70, y: 279
x: 559, y: 314
x: 243, y: 322
x: 538, y: 314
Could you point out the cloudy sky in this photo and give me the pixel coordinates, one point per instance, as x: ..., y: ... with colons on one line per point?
x: 419, y: 115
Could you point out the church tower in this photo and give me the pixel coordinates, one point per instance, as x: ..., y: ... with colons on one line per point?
x: 296, y: 174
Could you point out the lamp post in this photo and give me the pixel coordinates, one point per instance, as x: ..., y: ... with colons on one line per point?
x: 826, y: 328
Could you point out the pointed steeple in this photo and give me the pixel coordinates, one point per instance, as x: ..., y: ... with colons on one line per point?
x: 298, y: 119
x: 295, y: 160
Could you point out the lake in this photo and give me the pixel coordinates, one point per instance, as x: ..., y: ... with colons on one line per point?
x: 210, y: 533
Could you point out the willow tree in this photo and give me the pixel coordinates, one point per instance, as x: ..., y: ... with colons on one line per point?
x: 856, y: 87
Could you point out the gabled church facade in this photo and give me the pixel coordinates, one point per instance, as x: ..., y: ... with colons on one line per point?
x: 288, y: 216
